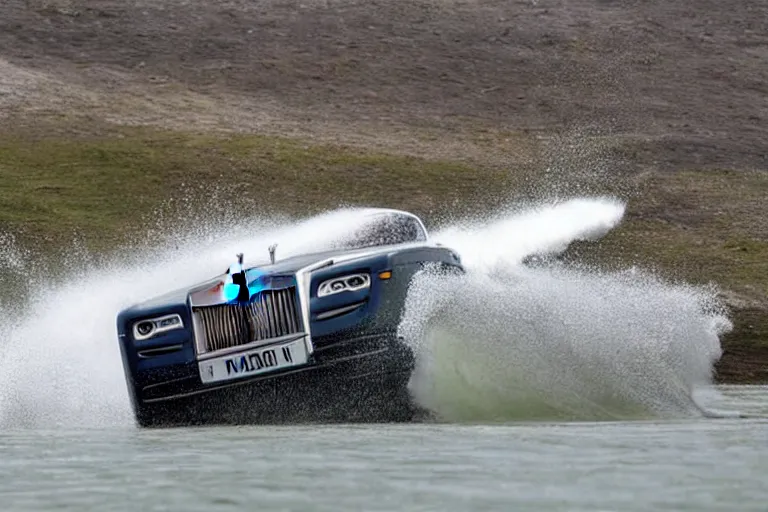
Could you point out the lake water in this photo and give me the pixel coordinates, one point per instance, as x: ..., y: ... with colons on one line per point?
x: 692, y: 464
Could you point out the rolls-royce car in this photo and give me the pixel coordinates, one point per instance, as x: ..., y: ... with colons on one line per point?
x: 307, y: 338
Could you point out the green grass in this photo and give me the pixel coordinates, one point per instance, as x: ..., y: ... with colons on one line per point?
x: 108, y: 186
x: 697, y: 226
x: 704, y: 227
x: 109, y: 183
x: 738, y: 262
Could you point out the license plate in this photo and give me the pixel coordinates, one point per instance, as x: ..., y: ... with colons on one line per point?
x: 253, y: 362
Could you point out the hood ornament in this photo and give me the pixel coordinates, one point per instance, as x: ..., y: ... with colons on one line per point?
x: 239, y: 279
x: 272, y: 249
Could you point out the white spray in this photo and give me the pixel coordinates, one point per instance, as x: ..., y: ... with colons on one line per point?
x: 61, y: 361
x: 508, y: 341
x: 502, y: 342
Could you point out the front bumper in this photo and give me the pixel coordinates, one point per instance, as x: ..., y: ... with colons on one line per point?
x: 347, y: 378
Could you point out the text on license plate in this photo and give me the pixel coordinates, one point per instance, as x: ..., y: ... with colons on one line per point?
x: 253, y: 362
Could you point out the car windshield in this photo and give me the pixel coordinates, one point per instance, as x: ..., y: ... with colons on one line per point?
x: 385, y: 229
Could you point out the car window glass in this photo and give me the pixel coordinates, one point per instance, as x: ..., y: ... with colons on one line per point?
x: 385, y: 229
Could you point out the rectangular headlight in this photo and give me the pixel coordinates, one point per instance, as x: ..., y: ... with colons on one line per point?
x: 151, y: 327
x: 349, y: 283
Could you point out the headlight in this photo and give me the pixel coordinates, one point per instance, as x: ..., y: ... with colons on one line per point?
x: 145, y: 329
x: 350, y: 283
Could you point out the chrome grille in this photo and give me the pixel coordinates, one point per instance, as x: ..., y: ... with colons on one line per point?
x: 273, y: 314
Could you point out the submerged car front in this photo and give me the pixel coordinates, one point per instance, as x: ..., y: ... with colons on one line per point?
x: 334, y: 312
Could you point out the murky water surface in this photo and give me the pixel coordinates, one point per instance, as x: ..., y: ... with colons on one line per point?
x: 700, y: 464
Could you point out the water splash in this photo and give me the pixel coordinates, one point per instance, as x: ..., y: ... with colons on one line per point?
x: 506, y: 341
x: 61, y: 360
x: 507, y: 238
x: 502, y: 342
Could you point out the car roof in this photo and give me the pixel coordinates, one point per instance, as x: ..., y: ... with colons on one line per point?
x: 371, y: 212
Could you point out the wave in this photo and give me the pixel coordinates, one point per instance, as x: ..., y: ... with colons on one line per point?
x: 507, y: 341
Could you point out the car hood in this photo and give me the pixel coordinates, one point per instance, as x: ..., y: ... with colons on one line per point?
x: 211, y: 291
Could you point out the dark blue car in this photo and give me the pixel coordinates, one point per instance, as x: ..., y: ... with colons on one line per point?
x: 307, y: 338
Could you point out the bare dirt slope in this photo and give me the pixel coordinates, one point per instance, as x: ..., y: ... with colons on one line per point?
x: 691, y: 76
x: 669, y: 91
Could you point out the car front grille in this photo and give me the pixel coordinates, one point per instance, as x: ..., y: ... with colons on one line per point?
x: 273, y: 314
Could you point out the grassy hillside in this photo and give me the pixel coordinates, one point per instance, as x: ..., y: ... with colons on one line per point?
x: 106, y: 188
x: 106, y: 185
